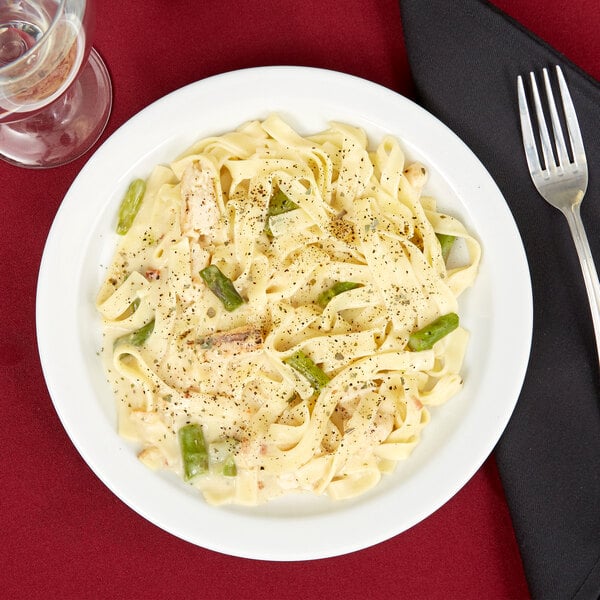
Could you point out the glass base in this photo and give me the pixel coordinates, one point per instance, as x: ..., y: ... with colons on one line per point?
x: 65, y: 129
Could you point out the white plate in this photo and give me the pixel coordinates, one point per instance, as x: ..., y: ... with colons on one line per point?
x: 497, y: 311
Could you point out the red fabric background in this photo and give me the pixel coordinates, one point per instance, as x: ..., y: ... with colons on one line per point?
x: 63, y: 534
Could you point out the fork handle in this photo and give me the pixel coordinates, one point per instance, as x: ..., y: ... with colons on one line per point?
x: 590, y: 276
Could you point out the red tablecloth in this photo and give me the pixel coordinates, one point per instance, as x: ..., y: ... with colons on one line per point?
x: 64, y: 534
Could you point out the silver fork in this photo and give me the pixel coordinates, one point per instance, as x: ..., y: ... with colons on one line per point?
x: 563, y: 177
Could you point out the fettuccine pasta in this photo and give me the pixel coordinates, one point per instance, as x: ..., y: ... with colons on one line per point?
x: 267, y: 317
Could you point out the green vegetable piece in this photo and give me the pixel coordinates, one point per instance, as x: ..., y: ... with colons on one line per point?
x: 229, y: 467
x: 221, y: 457
x: 308, y: 369
x: 130, y: 309
x: 139, y: 337
x: 446, y: 243
x: 130, y: 205
x: 425, y: 338
x: 279, y: 203
x: 337, y: 288
x: 193, y: 451
x: 222, y: 287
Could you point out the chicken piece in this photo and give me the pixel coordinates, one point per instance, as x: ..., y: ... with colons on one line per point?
x: 153, y: 458
x: 416, y: 174
x: 235, y: 341
x: 199, y: 209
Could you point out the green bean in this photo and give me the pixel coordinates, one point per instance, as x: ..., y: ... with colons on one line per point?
x: 317, y: 378
x: 279, y: 203
x: 425, y: 338
x: 222, y: 287
x: 137, y: 338
x: 193, y: 451
x: 337, y: 288
x: 130, y: 205
x: 446, y: 243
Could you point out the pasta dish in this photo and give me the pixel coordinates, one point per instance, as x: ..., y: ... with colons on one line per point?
x: 281, y: 312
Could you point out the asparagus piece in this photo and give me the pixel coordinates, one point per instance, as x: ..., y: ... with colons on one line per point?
x: 446, y: 242
x: 308, y: 369
x: 193, y: 451
x: 279, y: 203
x: 229, y: 467
x: 337, y: 288
x: 130, y: 309
x: 130, y: 205
x: 222, y: 287
x: 425, y: 338
x: 137, y: 338
x: 221, y: 457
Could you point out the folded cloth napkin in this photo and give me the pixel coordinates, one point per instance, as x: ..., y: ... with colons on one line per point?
x: 465, y: 57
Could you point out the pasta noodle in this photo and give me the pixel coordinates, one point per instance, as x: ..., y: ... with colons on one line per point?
x: 266, y: 294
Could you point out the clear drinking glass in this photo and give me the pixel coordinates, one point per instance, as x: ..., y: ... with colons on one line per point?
x: 55, y: 90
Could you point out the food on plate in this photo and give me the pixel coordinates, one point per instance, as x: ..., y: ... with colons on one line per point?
x: 281, y: 312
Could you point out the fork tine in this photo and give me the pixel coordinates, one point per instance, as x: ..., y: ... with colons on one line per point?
x: 544, y: 135
x: 561, y: 148
x: 571, y: 119
x: 531, y: 154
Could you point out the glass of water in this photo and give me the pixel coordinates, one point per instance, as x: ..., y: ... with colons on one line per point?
x: 55, y: 90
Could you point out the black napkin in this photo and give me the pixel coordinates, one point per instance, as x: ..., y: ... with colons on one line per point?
x: 465, y: 57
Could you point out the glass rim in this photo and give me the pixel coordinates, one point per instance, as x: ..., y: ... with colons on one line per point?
x: 55, y: 19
